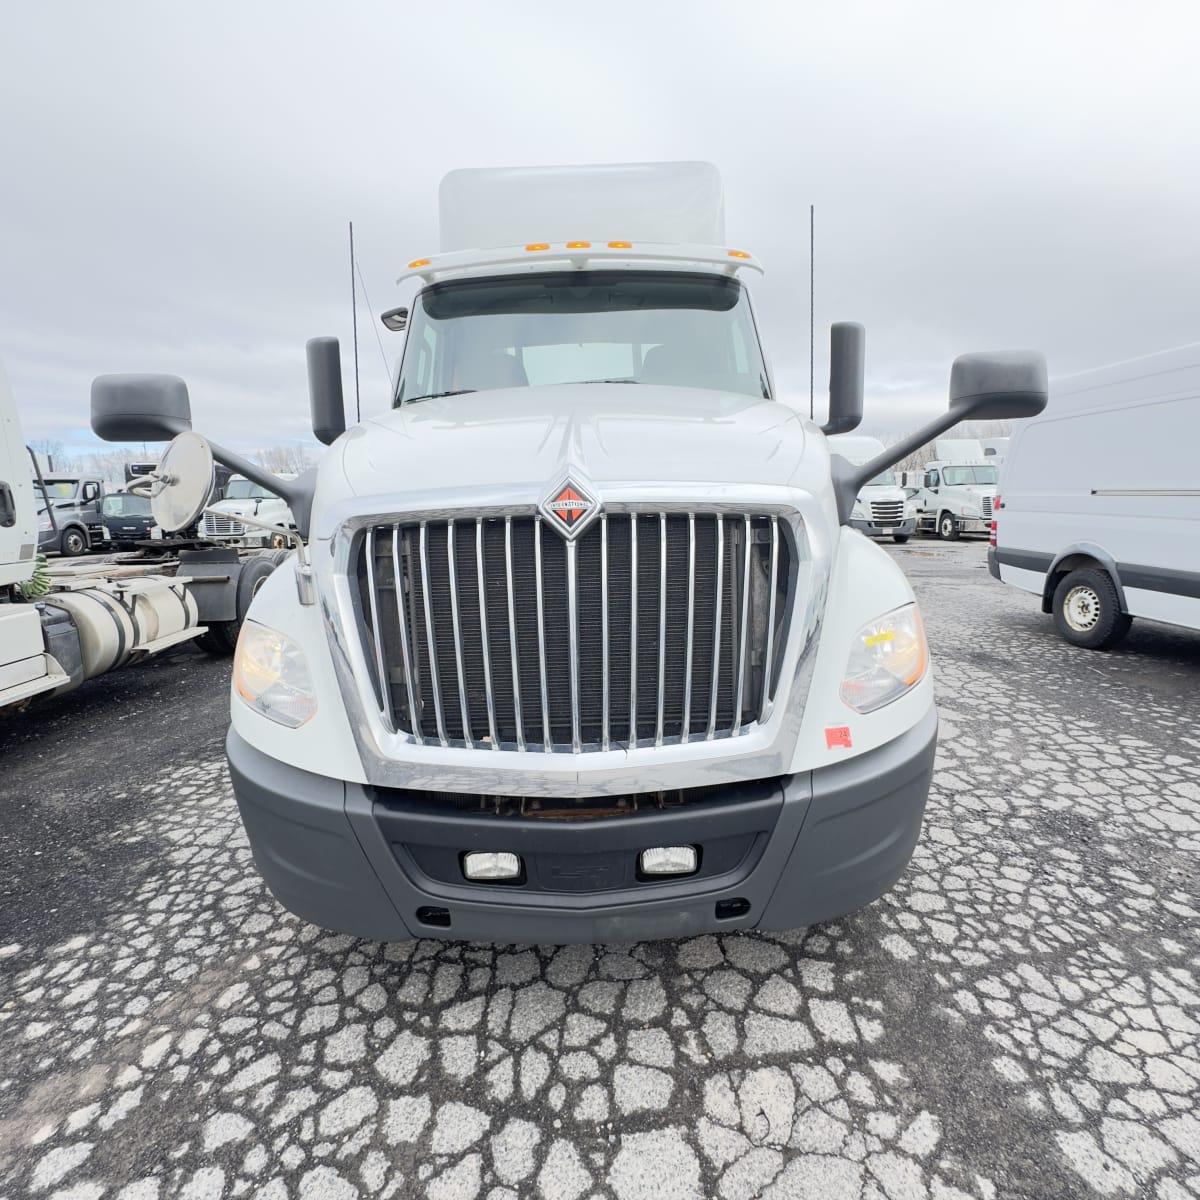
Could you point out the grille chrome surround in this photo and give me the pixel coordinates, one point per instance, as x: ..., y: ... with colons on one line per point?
x: 986, y: 507
x: 513, y: 639
x: 887, y: 512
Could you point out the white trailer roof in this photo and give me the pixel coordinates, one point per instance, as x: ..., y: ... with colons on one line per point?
x: 657, y: 202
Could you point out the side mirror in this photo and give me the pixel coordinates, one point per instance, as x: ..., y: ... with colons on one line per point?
x: 847, y: 367
x: 998, y: 386
x: 325, y: 388
x: 140, y: 408
x: 395, y: 319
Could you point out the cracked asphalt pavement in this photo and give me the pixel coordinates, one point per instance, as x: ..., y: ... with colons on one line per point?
x: 1019, y: 1017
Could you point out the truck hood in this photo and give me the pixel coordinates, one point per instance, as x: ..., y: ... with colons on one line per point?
x: 527, y: 437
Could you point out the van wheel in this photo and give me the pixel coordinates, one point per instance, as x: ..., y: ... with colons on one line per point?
x: 1087, y: 610
x: 947, y: 528
x: 900, y: 538
x: 72, y: 543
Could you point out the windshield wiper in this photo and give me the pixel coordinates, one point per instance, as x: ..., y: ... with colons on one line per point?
x: 439, y: 395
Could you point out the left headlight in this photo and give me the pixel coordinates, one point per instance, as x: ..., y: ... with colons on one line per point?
x: 271, y: 675
x: 888, y: 657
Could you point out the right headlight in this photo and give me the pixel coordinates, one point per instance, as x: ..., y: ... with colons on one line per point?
x: 887, y: 658
x: 270, y: 674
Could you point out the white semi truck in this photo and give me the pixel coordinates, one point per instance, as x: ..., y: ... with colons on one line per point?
x: 882, y: 507
x: 580, y: 645
x: 62, y: 623
x: 222, y: 521
x: 957, y: 490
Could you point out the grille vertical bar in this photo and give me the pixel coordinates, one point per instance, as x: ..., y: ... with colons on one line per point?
x: 512, y: 633
x: 470, y: 623
x: 411, y: 686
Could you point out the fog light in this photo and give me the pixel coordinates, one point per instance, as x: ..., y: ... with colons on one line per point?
x: 491, y: 864
x: 668, y: 860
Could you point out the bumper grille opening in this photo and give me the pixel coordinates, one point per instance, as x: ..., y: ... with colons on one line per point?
x: 727, y: 910
x: 439, y: 918
x: 497, y: 633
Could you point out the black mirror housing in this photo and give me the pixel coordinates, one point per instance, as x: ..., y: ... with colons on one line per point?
x: 140, y: 408
x: 325, y: 388
x: 847, y: 368
x: 998, y: 386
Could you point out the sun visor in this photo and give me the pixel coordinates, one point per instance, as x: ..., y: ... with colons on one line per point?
x: 672, y: 202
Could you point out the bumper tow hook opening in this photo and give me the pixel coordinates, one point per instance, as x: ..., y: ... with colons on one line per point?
x: 429, y: 915
x: 726, y: 910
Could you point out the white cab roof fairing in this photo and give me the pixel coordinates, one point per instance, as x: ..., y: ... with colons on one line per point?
x: 855, y: 448
x: 959, y: 450
x: 669, y: 202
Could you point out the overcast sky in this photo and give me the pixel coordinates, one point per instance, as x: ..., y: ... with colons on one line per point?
x: 175, y: 182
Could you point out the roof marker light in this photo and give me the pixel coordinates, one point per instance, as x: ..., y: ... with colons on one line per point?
x: 418, y: 262
x: 538, y: 246
x: 579, y: 245
x: 738, y: 254
x: 620, y: 245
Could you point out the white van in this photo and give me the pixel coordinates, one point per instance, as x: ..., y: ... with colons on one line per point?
x: 1099, y: 507
x: 882, y: 508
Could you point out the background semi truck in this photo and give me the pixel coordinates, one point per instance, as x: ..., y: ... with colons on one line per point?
x: 579, y: 645
x: 62, y: 623
x: 882, y: 507
x: 957, y: 489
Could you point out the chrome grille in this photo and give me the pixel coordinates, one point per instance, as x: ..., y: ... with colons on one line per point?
x: 887, y: 512
x: 986, y: 505
x: 214, y: 525
x: 647, y: 628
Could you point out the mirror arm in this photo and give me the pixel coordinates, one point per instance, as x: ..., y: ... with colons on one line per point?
x: 298, y: 493
x: 848, y: 479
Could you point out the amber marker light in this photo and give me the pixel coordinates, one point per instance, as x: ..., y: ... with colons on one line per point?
x: 538, y: 246
x: 579, y: 245
x: 737, y: 254
x: 620, y: 245
x: 418, y: 262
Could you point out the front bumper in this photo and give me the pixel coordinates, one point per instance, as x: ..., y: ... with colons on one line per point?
x: 781, y: 854
x: 905, y: 528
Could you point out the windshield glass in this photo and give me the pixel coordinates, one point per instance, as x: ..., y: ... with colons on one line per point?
x: 957, y: 476
x: 246, y: 489
x: 60, y: 489
x: 125, y: 504
x: 885, y: 478
x: 690, y: 330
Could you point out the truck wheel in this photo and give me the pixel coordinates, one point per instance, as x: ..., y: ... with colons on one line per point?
x: 947, y: 528
x: 73, y: 543
x: 221, y: 638
x: 1087, y: 610
x: 900, y: 538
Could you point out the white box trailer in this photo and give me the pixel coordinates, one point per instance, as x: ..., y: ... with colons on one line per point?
x: 1099, y: 507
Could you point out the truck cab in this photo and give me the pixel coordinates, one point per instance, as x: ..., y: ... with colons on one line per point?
x: 245, y: 498
x: 957, y: 491
x: 882, y: 507
x: 75, y: 524
x: 580, y: 645
x: 128, y: 519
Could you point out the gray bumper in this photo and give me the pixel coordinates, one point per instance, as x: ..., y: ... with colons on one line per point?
x: 781, y: 854
x: 904, y: 528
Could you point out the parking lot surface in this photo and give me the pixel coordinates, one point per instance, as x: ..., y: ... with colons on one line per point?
x: 1019, y: 1017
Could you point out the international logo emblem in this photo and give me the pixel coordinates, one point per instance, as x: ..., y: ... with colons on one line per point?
x: 569, y: 506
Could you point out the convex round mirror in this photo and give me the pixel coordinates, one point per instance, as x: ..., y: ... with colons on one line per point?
x: 183, y: 483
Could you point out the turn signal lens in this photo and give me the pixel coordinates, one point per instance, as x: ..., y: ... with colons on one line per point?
x: 888, y: 657
x: 579, y: 245
x: 538, y: 246
x: 418, y: 262
x: 271, y: 675
x: 738, y: 254
x: 620, y: 245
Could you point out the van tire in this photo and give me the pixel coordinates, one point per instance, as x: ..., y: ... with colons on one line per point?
x: 73, y: 542
x: 947, y: 527
x: 221, y: 638
x: 1087, y: 609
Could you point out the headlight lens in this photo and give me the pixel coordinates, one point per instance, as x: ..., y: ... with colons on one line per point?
x: 889, y: 656
x: 271, y: 675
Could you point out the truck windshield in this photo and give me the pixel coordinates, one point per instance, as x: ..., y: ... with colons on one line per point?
x: 60, y: 489
x: 684, y: 329
x: 246, y: 489
x: 885, y: 478
x: 125, y: 504
x: 958, y: 476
